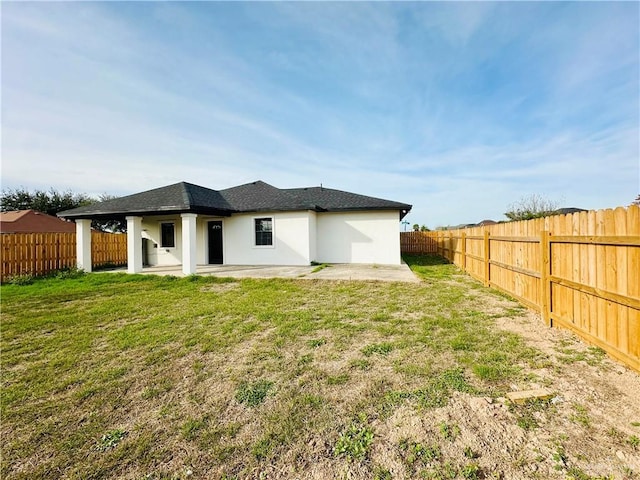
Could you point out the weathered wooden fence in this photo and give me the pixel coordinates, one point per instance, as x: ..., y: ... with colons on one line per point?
x: 41, y: 253
x: 581, y: 271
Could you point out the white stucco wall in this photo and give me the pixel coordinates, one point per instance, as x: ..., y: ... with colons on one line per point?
x: 358, y: 237
x: 163, y: 255
x: 290, y: 239
x: 173, y: 256
x: 299, y: 238
x: 313, y: 237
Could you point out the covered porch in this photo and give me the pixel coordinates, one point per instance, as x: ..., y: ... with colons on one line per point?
x: 183, y: 207
x: 135, y: 237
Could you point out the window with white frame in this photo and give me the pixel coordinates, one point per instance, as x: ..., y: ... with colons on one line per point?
x: 263, y: 231
x: 167, y: 235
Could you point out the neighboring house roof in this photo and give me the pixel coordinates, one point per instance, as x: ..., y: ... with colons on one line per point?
x: 31, y: 221
x: 252, y: 197
x: 486, y: 222
x: 458, y: 227
x: 566, y: 210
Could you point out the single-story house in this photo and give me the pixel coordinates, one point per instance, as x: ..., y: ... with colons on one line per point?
x: 32, y: 221
x: 251, y: 224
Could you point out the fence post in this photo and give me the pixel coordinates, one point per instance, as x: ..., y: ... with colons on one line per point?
x: 34, y: 263
x: 446, y: 246
x: 545, y: 275
x: 487, y: 258
x: 58, y: 261
x: 463, y: 260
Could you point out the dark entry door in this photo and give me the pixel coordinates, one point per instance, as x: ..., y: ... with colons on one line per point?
x: 215, y: 242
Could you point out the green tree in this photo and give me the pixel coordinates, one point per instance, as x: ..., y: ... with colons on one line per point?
x: 50, y: 202
x: 416, y: 227
x: 531, y: 206
x: 55, y: 201
x: 116, y: 226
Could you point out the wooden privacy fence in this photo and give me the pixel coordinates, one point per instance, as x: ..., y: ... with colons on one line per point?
x: 41, y: 253
x: 581, y: 271
x: 108, y: 249
x: 418, y: 242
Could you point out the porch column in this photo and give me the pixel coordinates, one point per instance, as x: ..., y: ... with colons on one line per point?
x: 189, y: 243
x: 83, y: 244
x: 134, y: 244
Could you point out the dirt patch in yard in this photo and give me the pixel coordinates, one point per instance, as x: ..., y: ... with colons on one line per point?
x: 593, y: 422
x: 589, y: 429
x: 305, y: 379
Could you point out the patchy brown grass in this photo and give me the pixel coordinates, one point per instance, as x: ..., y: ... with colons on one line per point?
x: 115, y: 376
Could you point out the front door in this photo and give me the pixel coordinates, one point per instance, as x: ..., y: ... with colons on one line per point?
x: 215, y: 242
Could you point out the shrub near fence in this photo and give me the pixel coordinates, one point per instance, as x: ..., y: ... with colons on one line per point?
x: 581, y: 271
x: 41, y: 253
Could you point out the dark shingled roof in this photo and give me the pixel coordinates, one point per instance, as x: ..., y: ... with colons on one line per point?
x: 328, y: 199
x: 259, y: 196
x: 252, y: 197
x: 180, y: 197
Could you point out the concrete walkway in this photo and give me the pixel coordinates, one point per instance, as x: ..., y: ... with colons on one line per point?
x: 339, y: 271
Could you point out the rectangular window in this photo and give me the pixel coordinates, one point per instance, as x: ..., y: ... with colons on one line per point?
x: 264, y: 231
x: 168, y: 235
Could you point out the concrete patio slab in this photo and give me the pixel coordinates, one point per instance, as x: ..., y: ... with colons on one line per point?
x: 383, y: 273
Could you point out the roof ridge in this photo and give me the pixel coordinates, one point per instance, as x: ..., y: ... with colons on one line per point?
x: 322, y: 188
x: 186, y: 194
x: 255, y: 182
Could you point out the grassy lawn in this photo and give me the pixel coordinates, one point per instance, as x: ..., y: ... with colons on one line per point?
x: 131, y: 376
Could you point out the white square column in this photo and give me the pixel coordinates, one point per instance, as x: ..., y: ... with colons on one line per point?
x: 83, y: 244
x: 189, y: 243
x: 134, y: 244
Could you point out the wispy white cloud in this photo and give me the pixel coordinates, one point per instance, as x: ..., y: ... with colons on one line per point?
x: 457, y: 26
x: 459, y: 109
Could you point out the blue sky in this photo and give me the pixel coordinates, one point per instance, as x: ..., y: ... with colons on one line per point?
x: 457, y: 108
